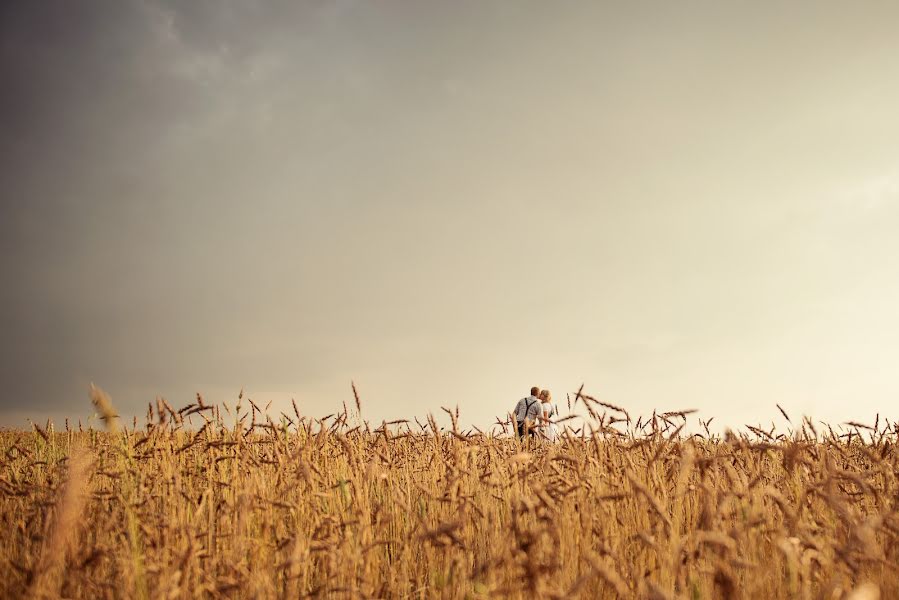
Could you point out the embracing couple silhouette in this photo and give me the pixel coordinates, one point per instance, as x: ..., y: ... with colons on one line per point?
x: 533, y: 415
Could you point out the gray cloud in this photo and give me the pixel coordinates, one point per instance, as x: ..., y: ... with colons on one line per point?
x: 673, y: 204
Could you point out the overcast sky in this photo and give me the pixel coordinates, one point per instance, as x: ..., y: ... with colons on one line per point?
x: 681, y: 205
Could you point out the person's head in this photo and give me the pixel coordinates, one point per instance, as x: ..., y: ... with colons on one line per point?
x: 535, y: 392
x: 545, y: 396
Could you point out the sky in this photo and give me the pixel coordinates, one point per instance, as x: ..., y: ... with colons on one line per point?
x: 679, y: 205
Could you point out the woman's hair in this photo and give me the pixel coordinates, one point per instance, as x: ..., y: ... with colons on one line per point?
x: 546, y: 396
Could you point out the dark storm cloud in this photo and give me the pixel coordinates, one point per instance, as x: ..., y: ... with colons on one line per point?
x: 92, y: 90
x: 136, y: 247
x: 60, y: 65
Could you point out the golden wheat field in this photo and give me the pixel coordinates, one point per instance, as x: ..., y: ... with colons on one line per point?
x: 242, y: 506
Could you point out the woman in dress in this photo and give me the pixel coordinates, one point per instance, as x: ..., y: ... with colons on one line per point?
x: 548, y: 413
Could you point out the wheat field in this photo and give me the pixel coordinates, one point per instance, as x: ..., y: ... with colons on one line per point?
x: 226, y: 502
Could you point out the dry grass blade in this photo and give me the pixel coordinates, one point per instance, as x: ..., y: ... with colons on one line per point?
x: 610, y: 576
x: 67, y: 518
x: 103, y: 404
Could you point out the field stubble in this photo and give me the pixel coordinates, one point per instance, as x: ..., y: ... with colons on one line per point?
x: 243, y: 506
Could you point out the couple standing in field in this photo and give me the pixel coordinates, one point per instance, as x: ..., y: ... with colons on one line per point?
x: 533, y: 415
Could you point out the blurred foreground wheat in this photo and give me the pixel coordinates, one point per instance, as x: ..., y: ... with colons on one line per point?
x: 240, y: 506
